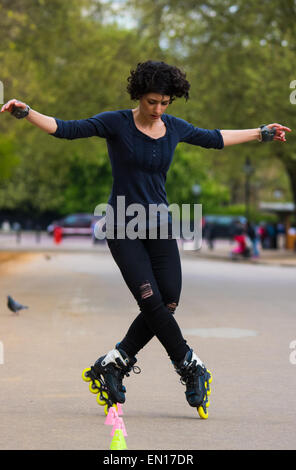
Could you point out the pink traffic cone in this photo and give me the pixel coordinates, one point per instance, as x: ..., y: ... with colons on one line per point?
x: 119, y: 409
x: 111, y: 416
x: 123, y: 427
x: 118, y: 425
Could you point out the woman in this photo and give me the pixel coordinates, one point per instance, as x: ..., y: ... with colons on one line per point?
x: 141, y: 143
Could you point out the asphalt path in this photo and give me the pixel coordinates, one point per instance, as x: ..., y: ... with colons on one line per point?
x: 239, y: 318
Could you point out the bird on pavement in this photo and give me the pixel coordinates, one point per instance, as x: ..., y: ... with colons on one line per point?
x: 13, y: 305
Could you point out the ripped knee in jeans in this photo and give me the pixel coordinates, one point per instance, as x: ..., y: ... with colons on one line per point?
x: 172, y: 307
x: 146, y: 290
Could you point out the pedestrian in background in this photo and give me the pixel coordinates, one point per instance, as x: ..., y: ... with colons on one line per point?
x: 252, y: 234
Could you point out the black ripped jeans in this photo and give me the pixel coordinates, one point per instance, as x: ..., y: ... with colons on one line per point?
x: 152, y: 272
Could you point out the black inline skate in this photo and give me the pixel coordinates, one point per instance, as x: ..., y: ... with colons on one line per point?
x: 106, y: 375
x: 197, y: 380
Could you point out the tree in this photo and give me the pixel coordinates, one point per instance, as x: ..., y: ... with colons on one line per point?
x: 65, y: 63
x: 240, y: 58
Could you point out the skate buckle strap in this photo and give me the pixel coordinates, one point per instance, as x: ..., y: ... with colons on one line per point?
x: 189, y: 373
x: 120, y: 363
x: 135, y: 369
x: 126, y: 367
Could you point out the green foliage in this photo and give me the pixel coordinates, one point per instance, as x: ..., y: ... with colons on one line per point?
x: 67, y: 64
x: 86, y: 188
x: 240, y: 59
x: 8, y: 157
x: 239, y: 210
x: 71, y: 60
x: 190, y: 166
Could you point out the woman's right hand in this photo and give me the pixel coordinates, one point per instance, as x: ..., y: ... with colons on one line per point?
x: 46, y: 123
x: 11, y: 103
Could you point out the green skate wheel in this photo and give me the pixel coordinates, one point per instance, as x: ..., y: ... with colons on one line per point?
x: 85, y: 375
x: 102, y: 398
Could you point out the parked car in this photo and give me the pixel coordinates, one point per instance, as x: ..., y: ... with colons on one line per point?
x: 74, y: 224
x: 223, y: 226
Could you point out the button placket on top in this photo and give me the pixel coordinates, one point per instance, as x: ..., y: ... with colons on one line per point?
x: 154, y: 154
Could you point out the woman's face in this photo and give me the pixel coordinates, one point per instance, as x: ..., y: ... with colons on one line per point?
x: 153, y: 105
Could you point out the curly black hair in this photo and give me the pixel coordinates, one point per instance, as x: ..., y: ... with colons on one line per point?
x: 157, y: 77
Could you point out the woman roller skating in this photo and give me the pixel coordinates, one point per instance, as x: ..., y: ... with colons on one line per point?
x: 141, y: 144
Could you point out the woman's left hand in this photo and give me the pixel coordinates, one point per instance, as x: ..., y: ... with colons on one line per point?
x: 280, y: 131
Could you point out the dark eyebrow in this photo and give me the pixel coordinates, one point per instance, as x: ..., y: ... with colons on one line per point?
x: 156, y: 101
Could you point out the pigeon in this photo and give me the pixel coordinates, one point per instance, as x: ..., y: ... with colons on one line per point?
x: 13, y: 305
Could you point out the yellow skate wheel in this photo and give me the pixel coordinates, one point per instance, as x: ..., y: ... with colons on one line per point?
x: 208, y: 382
x: 93, y: 387
x: 211, y: 378
x: 202, y: 413
x: 85, y: 376
x: 106, y: 409
x: 102, y: 401
x: 98, y: 384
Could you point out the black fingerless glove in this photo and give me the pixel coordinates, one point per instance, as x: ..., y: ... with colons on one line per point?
x: 267, y: 134
x: 20, y: 113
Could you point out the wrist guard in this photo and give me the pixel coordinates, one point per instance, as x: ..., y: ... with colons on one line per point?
x: 20, y: 113
x: 267, y: 134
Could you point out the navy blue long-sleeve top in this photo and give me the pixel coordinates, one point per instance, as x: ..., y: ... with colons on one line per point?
x: 139, y: 163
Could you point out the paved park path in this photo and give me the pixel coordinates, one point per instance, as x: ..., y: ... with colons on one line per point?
x: 241, y: 320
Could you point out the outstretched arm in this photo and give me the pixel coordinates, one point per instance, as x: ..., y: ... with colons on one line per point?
x: 46, y: 123
x: 100, y: 125
x: 232, y: 137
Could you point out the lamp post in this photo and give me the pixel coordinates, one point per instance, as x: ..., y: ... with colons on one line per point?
x: 197, y: 213
x: 196, y: 190
x: 248, y: 170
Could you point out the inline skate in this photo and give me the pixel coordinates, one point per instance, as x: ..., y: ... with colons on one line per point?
x: 106, y: 375
x: 197, y: 380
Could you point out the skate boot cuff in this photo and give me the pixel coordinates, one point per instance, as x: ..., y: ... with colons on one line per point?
x: 118, y: 358
x: 190, y: 364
